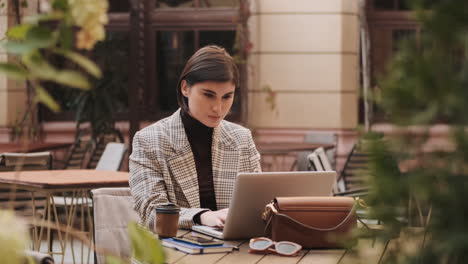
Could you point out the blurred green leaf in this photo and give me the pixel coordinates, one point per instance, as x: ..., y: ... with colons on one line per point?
x: 28, y: 38
x: 40, y: 36
x: 66, y: 37
x: 72, y: 78
x: 14, y: 71
x: 146, y: 247
x: 18, y: 32
x: 41, y: 69
x: 81, y: 60
x: 114, y: 260
x: 44, y: 97
x: 60, y: 4
x: 16, y: 47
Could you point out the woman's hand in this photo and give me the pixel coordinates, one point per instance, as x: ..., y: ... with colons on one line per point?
x: 214, y: 218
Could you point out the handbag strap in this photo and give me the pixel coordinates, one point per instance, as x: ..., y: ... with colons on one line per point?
x: 315, y: 228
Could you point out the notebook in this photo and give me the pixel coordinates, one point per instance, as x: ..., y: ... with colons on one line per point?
x: 195, y: 249
x: 252, y: 191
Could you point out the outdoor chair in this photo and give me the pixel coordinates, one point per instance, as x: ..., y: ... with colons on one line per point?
x: 79, y: 151
x: 314, y: 162
x: 112, y: 157
x: 113, y: 210
x: 349, y: 182
x: 318, y: 161
x: 319, y: 137
x: 100, y: 146
x: 37, y: 257
x: 352, y: 176
x: 21, y: 200
x: 86, y: 151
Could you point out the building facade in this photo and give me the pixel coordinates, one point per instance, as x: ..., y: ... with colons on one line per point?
x: 300, y: 61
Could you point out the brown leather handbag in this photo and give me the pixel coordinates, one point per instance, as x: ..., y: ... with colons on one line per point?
x: 313, y: 222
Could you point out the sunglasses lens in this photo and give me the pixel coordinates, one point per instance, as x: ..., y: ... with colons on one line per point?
x: 260, y: 244
x: 286, y: 248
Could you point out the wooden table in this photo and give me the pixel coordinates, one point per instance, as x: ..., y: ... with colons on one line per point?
x: 280, y: 156
x: 76, y: 186
x: 32, y: 146
x: 323, y: 256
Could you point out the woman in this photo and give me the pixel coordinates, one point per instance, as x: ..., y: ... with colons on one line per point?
x: 192, y: 158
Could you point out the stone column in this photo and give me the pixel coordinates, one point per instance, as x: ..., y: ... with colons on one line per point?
x: 13, y: 95
x: 307, y: 52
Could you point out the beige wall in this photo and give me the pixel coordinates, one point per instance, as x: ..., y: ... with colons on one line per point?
x: 307, y: 52
x: 12, y: 93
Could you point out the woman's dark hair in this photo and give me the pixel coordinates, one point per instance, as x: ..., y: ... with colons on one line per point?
x: 210, y: 63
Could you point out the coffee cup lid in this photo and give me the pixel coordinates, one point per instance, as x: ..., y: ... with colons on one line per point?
x: 167, y: 208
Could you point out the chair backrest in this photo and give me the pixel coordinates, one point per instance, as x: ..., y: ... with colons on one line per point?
x: 322, y: 156
x: 318, y: 137
x: 318, y: 161
x: 355, y: 167
x: 101, y: 142
x: 112, y: 157
x: 321, y: 137
x: 315, y: 162
x: 26, y: 161
x: 21, y: 200
x: 80, y: 150
x: 113, y: 210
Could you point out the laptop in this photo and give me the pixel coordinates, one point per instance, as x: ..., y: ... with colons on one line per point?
x: 252, y: 191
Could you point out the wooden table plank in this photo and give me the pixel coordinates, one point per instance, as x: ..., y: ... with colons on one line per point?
x: 31, y: 147
x: 65, y: 179
x: 202, y: 258
x: 241, y: 256
x: 172, y: 256
x: 368, y: 250
x: 275, y: 258
x: 322, y: 256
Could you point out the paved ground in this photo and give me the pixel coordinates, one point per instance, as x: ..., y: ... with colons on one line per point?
x: 79, y: 254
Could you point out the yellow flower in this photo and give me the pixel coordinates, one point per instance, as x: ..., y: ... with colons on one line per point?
x: 90, y: 16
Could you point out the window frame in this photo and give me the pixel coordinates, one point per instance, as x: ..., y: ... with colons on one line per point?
x: 170, y: 19
x: 381, y: 43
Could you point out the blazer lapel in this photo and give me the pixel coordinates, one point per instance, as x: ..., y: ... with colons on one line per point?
x: 181, y: 163
x: 225, y: 159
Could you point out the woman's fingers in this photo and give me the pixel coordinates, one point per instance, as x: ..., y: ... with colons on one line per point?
x: 219, y: 223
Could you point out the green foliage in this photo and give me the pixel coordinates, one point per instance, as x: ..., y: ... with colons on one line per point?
x: 14, y: 238
x: 109, y: 96
x: 39, y: 35
x: 427, y: 83
x: 146, y: 247
x: 14, y: 71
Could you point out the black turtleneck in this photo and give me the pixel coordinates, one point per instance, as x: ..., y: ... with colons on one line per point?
x: 200, y: 138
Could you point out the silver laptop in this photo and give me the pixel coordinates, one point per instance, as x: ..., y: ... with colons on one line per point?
x: 253, y: 191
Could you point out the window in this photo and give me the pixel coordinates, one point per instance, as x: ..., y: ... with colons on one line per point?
x: 177, y: 29
x: 389, y: 22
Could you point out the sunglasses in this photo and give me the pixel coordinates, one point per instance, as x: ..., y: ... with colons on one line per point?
x: 266, y: 245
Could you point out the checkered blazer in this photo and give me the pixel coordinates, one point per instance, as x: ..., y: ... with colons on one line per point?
x: 162, y: 167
